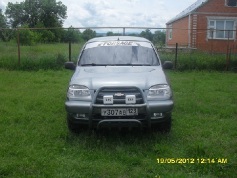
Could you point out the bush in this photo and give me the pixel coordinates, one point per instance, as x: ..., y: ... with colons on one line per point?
x: 46, y: 36
x: 27, y: 37
x: 72, y: 35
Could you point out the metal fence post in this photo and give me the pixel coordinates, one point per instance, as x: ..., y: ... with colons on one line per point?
x: 176, y: 56
x: 18, y: 45
x: 212, y: 36
x: 70, y: 50
x: 228, y: 52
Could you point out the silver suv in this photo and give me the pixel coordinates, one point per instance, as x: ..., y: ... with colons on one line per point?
x: 119, y: 82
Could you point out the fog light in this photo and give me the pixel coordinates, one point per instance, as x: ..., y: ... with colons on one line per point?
x: 157, y: 116
x: 81, y: 116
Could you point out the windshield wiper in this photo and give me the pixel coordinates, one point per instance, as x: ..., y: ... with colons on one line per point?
x: 138, y: 64
x: 141, y: 64
x: 93, y: 64
x: 128, y: 64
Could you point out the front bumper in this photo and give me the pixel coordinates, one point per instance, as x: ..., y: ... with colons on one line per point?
x: 151, y: 112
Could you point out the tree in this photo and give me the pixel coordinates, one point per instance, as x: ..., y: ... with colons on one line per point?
x: 53, y: 13
x: 72, y: 35
x: 88, y: 34
x: 5, y: 34
x: 31, y: 12
x: 3, y: 23
x: 159, y: 37
x: 14, y: 13
x: 109, y: 34
x: 27, y: 37
x: 47, y: 13
x: 147, y: 34
x: 112, y: 34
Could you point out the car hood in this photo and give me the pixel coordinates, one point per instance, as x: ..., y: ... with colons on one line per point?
x: 101, y: 76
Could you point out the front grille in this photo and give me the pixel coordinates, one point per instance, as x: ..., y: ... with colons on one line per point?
x: 98, y: 117
x: 119, y: 95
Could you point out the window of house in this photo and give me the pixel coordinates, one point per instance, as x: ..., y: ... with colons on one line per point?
x: 231, y: 3
x: 221, y: 29
x: 170, y: 32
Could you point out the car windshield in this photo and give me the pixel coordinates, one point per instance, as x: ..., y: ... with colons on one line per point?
x: 119, y: 53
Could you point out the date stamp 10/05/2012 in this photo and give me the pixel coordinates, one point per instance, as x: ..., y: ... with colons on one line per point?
x: 192, y: 160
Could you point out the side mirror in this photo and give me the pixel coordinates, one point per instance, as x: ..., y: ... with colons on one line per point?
x: 70, y: 65
x: 167, y: 65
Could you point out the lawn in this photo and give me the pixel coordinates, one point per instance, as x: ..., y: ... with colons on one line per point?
x: 35, y: 141
x: 53, y: 56
x: 38, y: 56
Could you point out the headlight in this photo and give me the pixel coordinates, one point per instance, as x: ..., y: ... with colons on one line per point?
x: 78, y: 91
x: 159, y: 92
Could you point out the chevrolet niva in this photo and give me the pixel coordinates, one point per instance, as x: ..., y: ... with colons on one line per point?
x: 119, y: 82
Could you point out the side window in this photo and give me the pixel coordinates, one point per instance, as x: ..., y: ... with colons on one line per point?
x: 221, y: 29
x: 211, y: 29
x: 231, y: 3
x: 170, y: 32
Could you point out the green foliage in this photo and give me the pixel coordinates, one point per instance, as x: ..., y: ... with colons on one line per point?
x: 3, y: 24
x: 72, y: 35
x: 35, y: 13
x: 88, y: 34
x: 36, y: 57
x: 147, y: 34
x: 158, y: 37
x: 49, y: 52
x: 199, y: 60
x: 46, y: 36
x: 112, y: 34
x: 31, y: 12
x: 53, y: 62
x: 27, y: 37
x: 15, y: 14
x: 53, y: 13
x: 6, y: 34
x: 58, y: 34
x: 35, y: 141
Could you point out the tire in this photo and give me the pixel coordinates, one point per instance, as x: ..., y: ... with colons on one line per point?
x: 163, y: 127
x: 73, y: 127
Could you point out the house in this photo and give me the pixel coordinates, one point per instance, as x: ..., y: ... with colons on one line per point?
x: 207, y: 25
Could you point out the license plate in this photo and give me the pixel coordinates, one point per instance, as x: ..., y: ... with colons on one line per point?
x: 108, y: 99
x: 130, y: 99
x: 119, y: 112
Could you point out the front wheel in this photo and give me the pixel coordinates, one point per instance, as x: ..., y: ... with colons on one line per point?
x: 73, y: 127
x: 163, y: 127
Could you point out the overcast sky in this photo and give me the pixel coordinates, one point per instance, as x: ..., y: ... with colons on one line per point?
x: 119, y: 13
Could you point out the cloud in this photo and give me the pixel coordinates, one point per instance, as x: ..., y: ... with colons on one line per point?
x: 2, y: 5
x: 119, y: 13
x: 122, y: 13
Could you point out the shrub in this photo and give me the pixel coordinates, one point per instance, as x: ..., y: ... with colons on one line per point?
x: 47, y: 36
x: 27, y: 37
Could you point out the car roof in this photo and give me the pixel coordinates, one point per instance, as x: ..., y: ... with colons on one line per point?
x: 118, y: 38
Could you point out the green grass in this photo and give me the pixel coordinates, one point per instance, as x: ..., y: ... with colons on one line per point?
x: 53, y: 56
x: 197, y: 60
x: 35, y: 141
x: 36, y: 57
